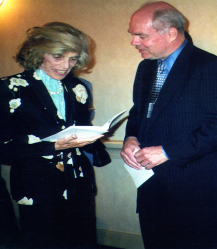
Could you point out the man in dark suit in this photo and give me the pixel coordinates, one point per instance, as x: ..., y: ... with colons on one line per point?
x: 174, y: 133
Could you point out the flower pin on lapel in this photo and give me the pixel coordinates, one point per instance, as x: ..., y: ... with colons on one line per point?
x: 14, y: 103
x: 81, y: 93
x: 17, y: 82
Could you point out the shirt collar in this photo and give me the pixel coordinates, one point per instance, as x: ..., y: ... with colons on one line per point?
x: 169, y: 61
x: 51, y: 84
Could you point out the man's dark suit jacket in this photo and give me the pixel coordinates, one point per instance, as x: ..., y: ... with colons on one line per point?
x: 178, y: 205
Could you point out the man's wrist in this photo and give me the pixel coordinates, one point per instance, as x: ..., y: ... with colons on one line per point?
x: 132, y: 138
x: 165, y: 153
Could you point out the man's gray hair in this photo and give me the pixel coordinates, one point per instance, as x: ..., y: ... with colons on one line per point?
x: 166, y: 18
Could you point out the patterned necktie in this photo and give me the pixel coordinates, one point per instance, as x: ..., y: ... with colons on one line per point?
x: 158, y: 83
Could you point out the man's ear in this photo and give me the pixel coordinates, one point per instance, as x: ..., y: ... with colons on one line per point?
x: 172, y: 34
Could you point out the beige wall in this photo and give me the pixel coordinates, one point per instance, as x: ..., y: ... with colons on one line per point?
x: 106, y: 22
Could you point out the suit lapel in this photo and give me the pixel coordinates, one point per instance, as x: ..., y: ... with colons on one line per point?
x: 69, y: 102
x: 172, y: 83
x: 39, y: 93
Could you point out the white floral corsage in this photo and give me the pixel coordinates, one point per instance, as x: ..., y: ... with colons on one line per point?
x: 17, y: 82
x: 81, y: 93
x: 36, y: 76
x: 14, y: 103
x: 25, y: 201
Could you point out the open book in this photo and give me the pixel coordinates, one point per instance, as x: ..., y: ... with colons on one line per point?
x: 83, y: 131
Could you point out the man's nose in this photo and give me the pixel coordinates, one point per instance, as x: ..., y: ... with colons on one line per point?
x: 135, y: 41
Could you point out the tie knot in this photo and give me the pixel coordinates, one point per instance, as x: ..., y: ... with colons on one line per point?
x: 161, y: 67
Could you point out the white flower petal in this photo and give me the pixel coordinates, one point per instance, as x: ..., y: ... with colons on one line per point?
x: 48, y: 157
x: 25, y: 201
x: 33, y: 139
x: 30, y: 201
x: 78, y: 153
x: 70, y: 161
x: 65, y: 194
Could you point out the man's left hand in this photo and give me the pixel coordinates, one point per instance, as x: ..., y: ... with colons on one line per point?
x: 150, y: 157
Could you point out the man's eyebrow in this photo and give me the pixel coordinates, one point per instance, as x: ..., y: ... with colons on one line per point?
x: 140, y: 34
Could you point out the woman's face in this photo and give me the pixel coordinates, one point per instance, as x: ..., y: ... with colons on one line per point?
x: 57, y: 66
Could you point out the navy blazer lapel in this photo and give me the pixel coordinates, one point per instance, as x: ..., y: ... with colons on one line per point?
x: 172, y: 83
x: 69, y: 102
x: 39, y: 92
x: 76, y: 112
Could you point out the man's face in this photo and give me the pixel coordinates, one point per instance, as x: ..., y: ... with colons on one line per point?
x: 151, y: 44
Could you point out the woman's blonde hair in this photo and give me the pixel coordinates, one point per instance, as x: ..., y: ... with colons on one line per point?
x: 52, y: 38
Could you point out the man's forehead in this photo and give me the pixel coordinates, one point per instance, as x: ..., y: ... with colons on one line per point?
x: 140, y: 26
x: 141, y: 20
x: 143, y: 14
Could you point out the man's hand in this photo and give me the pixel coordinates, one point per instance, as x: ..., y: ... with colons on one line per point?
x: 74, y: 142
x: 127, y: 153
x: 150, y: 157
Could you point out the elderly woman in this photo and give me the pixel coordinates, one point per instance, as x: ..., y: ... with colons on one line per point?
x: 52, y: 182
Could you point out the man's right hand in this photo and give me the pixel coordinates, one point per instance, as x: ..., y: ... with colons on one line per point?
x: 130, y: 146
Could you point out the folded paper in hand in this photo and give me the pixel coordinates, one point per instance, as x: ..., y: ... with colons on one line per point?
x: 139, y: 176
x: 83, y: 131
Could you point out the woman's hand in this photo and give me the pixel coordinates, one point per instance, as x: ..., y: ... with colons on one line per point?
x: 74, y: 142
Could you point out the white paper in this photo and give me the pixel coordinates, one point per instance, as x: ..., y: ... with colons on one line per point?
x: 83, y: 131
x: 139, y: 176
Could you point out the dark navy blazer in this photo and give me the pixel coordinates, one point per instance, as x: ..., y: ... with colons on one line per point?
x: 183, y: 190
x: 34, y: 171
